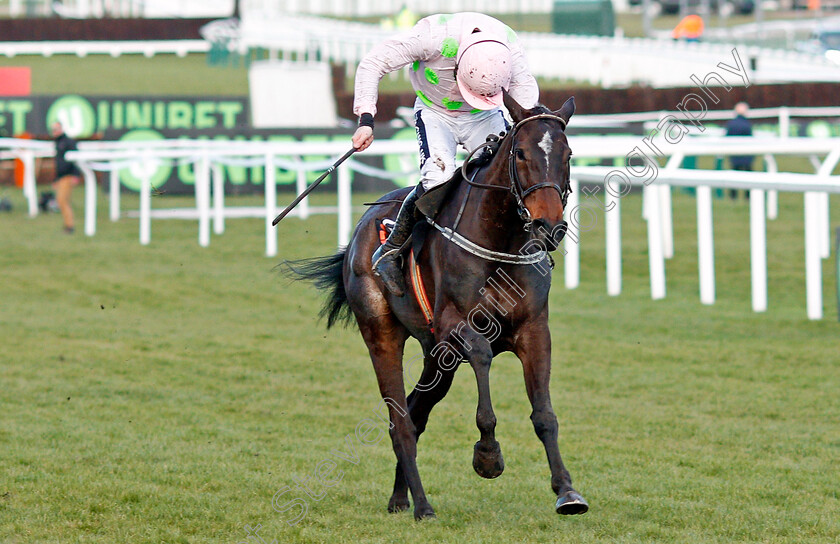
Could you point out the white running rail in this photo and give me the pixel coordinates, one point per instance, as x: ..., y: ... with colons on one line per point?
x: 656, y: 182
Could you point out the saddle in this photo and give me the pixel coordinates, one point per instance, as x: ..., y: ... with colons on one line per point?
x: 414, y: 245
x: 428, y: 205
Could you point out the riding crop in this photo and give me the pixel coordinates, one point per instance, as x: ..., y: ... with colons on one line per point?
x: 309, y: 189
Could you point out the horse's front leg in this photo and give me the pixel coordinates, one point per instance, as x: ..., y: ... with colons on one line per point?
x: 533, y: 347
x: 487, y: 454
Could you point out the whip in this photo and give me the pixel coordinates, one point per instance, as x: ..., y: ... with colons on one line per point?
x: 309, y: 189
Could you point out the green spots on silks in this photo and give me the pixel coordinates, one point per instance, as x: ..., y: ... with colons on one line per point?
x: 425, y: 98
x: 416, y: 65
x: 450, y: 104
x: 449, y: 48
x: 475, y: 110
x: 511, y: 35
x: 444, y: 18
x: 431, y: 76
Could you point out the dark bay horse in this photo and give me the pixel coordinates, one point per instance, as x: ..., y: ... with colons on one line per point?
x: 485, y: 267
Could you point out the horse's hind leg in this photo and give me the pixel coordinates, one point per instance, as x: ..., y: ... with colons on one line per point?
x: 432, y: 386
x: 385, y: 339
x: 533, y: 348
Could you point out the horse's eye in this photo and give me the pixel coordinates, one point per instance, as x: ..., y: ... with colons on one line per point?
x: 520, y: 154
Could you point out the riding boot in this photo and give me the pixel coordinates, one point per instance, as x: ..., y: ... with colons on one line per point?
x: 384, y: 259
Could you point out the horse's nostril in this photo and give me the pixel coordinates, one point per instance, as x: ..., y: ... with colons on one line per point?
x: 559, y: 231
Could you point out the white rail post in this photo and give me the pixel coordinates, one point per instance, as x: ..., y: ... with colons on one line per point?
x: 656, y: 258
x: 824, y: 170
x: 146, y: 205
x: 345, y: 211
x: 218, y: 199
x: 202, y: 179
x: 784, y: 122
x: 571, y: 261
x: 772, y: 195
x: 813, y: 268
x: 30, y: 189
x: 784, y: 133
x: 665, y: 208
x: 758, y: 250
x: 300, y: 181
x: 705, y: 245
x: 666, y: 221
x: 612, y: 204
x: 15, y: 8
x: 270, y: 206
x: 90, y: 200
x: 825, y: 226
x: 114, y: 194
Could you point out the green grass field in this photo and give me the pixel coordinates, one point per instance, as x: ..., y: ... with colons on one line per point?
x: 166, y: 393
x: 131, y: 75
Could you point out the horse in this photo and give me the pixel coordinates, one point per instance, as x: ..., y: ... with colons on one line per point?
x: 485, y: 269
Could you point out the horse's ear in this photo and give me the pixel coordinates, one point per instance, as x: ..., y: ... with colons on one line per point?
x: 517, y: 112
x: 566, y: 110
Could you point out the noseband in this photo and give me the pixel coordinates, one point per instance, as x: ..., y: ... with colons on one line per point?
x: 515, y: 184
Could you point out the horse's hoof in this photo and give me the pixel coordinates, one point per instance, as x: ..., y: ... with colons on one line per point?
x: 571, y: 503
x: 398, y: 505
x: 487, y: 460
x: 424, y: 512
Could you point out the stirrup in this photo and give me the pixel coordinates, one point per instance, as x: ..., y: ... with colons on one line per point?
x: 390, y: 271
x: 387, y: 254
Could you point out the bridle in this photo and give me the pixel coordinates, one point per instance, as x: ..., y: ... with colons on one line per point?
x: 515, y: 184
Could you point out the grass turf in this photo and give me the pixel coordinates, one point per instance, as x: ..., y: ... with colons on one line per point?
x: 166, y: 393
x: 131, y: 75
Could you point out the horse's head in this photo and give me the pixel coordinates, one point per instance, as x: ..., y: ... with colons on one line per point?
x: 538, y: 155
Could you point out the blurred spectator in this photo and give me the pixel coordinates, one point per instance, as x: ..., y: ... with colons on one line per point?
x: 689, y: 29
x: 402, y: 20
x: 405, y: 19
x: 740, y: 126
x: 67, y: 175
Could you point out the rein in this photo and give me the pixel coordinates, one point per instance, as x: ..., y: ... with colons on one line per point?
x: 515, y: 186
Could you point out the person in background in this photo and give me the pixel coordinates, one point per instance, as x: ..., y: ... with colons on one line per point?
x: 402, y: 20
x: 690, y: 29
x: 740, y: 126
x: 460, y: 64
x: 67, y: 175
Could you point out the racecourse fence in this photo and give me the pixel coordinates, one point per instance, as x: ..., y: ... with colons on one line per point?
x: 209, y: 157
x: 601, y: 61
x: 604, y: 61
x: 223, y: 8
x: 365, y: 8
x: 147, y: 48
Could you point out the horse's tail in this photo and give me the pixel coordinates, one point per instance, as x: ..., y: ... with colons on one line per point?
x: 327, y: 274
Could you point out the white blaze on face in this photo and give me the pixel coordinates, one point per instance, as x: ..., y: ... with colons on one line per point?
x: 546, y: 145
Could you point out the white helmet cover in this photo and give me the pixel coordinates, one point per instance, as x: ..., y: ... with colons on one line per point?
x: 484, y: 69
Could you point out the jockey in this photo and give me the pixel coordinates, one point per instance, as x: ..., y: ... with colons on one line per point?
x: 459, y: 65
